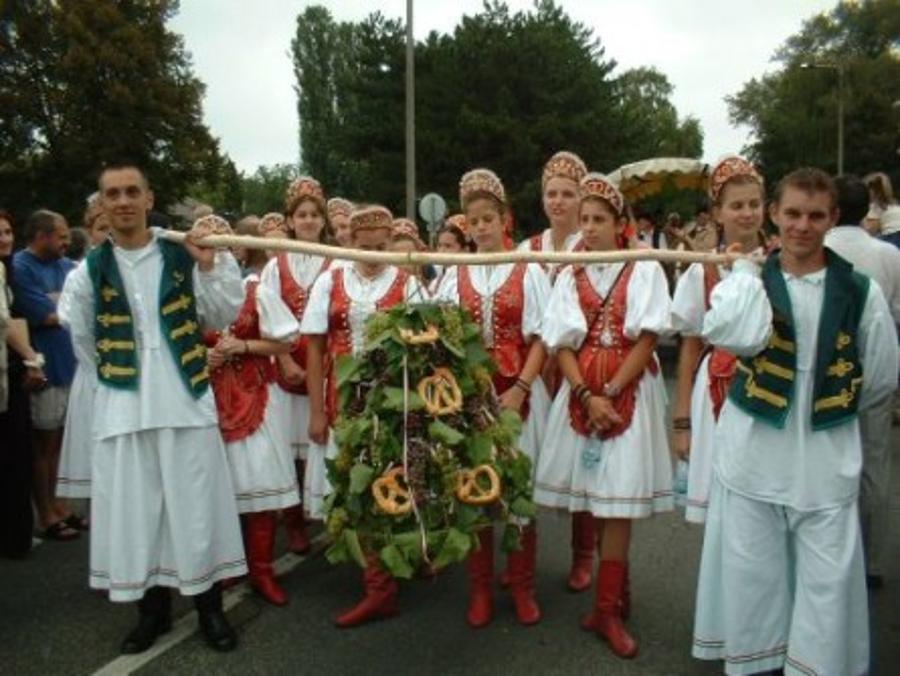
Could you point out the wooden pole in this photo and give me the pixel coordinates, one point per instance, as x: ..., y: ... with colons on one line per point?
x: 424, y: 258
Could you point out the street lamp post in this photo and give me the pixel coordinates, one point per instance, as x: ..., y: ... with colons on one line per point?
x: 839, y: 68
x: 410, y: 115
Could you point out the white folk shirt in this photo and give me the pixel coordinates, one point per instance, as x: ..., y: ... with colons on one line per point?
x: 487, y: 280
x: 161, y: 399
x: 364, y: 294
x: 647, y: 303
x: 304, y: 269
x: 795, y: 466
x: 689, y: 301
x: 869, y: 255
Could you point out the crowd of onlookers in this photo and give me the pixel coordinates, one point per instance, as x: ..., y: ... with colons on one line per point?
x: 37, y: 363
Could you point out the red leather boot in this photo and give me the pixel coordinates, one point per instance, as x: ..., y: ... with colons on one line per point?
x: 260, y: 546
x: 521, y: 578
x: 380, y: 600
x: 606, y: 619
x: 584, y: 540
x: 481, y: 577
x: 295, y: 523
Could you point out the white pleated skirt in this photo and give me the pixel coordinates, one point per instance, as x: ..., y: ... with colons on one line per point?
x: 262, y: 465
x: 298, y: 424
x: 703, y: 444
x: 163, y: 513
x: 534, y: 429
x: 633, y: 477
x: 74, y: 475
x: 316, y: 486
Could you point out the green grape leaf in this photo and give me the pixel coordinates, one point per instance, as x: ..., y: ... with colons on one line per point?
x: 347, y: 369
x: 360, y: 478
x: 396, y: 562
x: 480, y: 449
x: 456, y: 547
x: 351, y: 541
x: 523, y: 507
x: 443, y: 433
x: 512, y: 541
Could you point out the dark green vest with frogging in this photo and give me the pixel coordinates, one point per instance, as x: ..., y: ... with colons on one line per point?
x: 117, y: 356
x: 763, y: 385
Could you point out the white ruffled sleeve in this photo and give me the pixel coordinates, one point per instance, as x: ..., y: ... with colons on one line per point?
x: 315, y: 317
x: 276, y: 322
x: 649, y: 306
x: 76, y: 313
x: 219, y: 292
x: 448, y: 291
x: 270, y: 277
x: 689, y: 302
x: 740, y: 315
x: 564, y: 324
x: 537, y: 295
x: 878, y: 349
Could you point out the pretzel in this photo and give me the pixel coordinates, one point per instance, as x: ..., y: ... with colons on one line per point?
x: 430, y: 335
x: 441, y: 393
x: 391, y: 496
x: 469, y: 491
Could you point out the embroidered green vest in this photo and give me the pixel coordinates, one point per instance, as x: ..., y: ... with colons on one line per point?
x: 764, y: 385
x: 117, y: 357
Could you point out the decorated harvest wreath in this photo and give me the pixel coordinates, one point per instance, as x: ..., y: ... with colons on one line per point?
x: 426, y: 456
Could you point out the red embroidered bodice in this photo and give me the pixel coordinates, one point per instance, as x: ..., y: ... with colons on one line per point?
x: 241, y: 384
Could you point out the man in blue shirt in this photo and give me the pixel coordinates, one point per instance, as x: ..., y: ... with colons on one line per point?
x: 40, y: 270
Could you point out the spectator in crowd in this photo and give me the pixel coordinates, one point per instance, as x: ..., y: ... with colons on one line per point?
x: 702, y: 234
x: 39, y: 271
x: 883, y: 218
x: 648, y: 234
x: 880, y: 261
x: 96, y: 222
x: 24, y: 373
x: 79, y: 243
x: 248, y: 225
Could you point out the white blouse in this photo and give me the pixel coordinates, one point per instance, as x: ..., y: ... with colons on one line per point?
x: 161, y: 400
x: 487, y: 280
x: 689, y: 301
x: 795, y: 466
x: 304, y: 269
x: 647, y: 299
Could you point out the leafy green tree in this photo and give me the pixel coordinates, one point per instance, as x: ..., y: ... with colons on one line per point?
x: 793, y: 113
x: 264, y: 190
x: 87, y: 81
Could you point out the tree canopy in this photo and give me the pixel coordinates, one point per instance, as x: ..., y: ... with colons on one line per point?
x: 793, y: 112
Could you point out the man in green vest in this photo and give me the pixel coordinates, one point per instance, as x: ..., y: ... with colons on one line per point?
x: 163, y: 508
x: 782, y: 580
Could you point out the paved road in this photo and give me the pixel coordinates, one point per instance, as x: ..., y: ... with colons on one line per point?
x: 51, y: 624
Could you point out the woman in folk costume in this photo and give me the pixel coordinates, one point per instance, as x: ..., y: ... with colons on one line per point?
x: 606, y: 450
x: 291, y: 276
x: 737, y: 197
x: 339, y: 211
x: 254, y: 417
x: 405, y: 239
x: 508, y: 303
x: 340, y: 302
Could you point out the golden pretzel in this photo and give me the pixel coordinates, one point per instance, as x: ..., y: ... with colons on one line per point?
x: 391, y: 496
x: 441, y: 393
x: 471, y: 492
x: 430, y: 335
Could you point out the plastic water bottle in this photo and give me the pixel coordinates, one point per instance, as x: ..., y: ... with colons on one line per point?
x: 679, y: 484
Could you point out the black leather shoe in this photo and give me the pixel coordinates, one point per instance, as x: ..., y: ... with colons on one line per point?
x: 154, y: 619
x: 218, y: 633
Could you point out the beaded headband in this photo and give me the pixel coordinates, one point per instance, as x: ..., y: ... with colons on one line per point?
x: 338, y: 206
x: 597, y: 185
x: 480, y: 181
x: 272, y: 221
x: 305, y: 187
x: 371, y: 218
x: 403, y: 227
x: 459, y: 222
x: 564, y: 165
x: 211, y: 225
x: 727, y: 169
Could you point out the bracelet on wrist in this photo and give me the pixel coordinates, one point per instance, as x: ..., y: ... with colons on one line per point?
x: 681, y: 424
x: 523, y: 385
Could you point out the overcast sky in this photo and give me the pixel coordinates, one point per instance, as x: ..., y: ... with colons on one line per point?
x: 707, y: 48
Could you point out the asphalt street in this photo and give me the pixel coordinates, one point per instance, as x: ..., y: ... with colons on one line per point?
x: 50, y: 623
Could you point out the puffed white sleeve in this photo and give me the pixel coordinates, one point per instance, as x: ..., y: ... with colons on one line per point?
x: 270, y: 277
x: 219, y: 292
x: 448, y: 291
x: 878, y: 349
x: 740, y: 315
x: 537, y: 295
x: 76, y: 313
x: 649, y: 306
x: 276, y: 321
x: 689, y: 302
x: 315, y: 317
x: 564, y: 324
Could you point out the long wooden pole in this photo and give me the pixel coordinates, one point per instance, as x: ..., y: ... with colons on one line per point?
x: 424, y: 258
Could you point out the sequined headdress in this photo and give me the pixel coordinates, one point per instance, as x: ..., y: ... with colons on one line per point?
x: 403, y: 227
x: 597, y: 185
x: 727, y: 169
x: 371, y: 218
x: 272, y: 221
x: 565, y: 165
x: 480, y: 181
x: 338, y: 206
x: 305, y: 187
x: 211, y: 225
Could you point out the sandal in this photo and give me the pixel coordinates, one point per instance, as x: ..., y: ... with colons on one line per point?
x: 60, y: 531
x: 77, y: 522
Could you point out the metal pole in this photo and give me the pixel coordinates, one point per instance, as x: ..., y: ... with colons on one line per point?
x: 410, y: 115
x: 840, y: 160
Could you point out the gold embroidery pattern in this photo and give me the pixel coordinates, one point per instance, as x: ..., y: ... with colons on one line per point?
x: 109, y: 371
x: 183, y: 302
x: 754, y: 391
x: 200, y: 377
x: 763, y: 365
x: 106, y: 344
x: 108, y: 293
x: 188, y: 328
x: 781, y: 343
x: 842, y: 400
x: 840, y: 368
x: 108, y: 320
x: 198, y: 352
x: 843, y: 340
